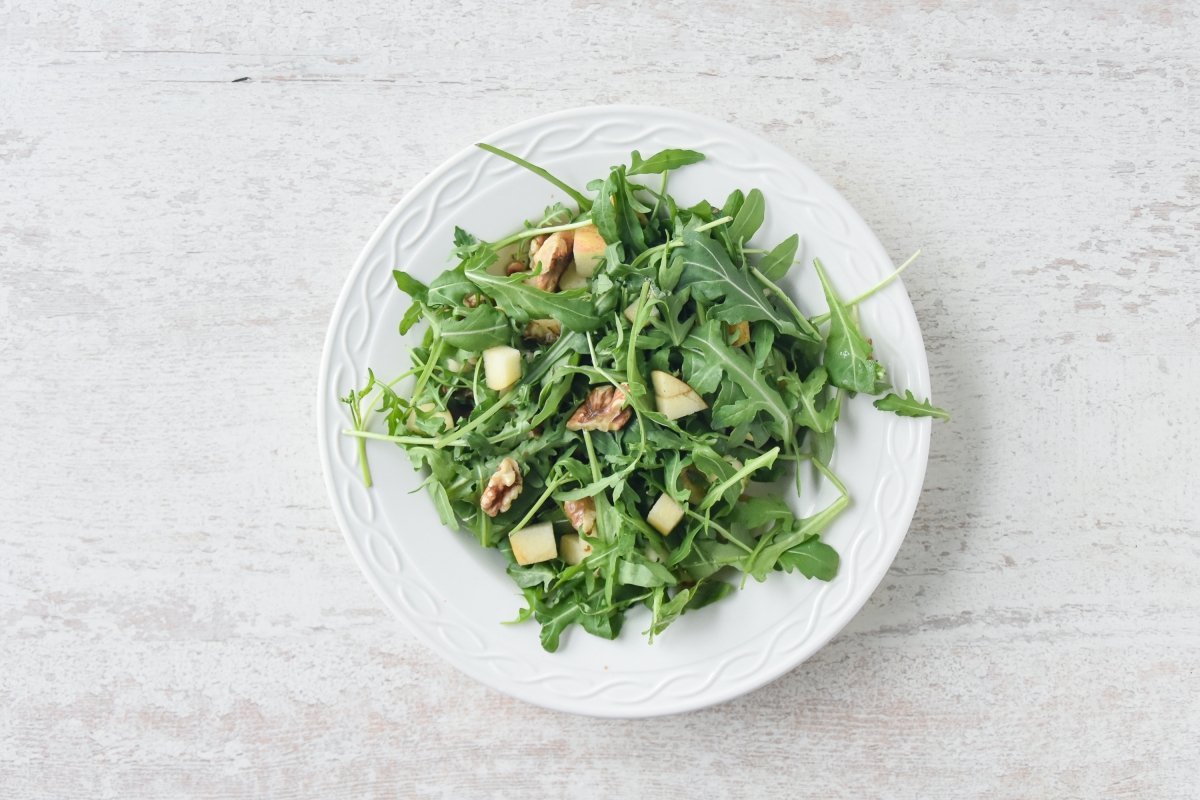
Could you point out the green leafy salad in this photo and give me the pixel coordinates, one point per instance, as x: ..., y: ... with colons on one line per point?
x: 611, y: 395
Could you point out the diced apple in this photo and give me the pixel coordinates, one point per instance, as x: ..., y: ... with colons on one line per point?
x: 740, y: 331
x: 533, y: 544
x: 631, y: 312
x: 573, y: 549
x: 501, y: 367
x: 665, y: 514
x: 588, y: 250
x: 571, y: 279
x: 411, y: 423
x: 673, y: 397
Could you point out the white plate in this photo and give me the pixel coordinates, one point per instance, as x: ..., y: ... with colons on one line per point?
x: 454, y: 594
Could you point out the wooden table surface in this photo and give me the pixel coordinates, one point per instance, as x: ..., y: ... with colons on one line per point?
x: 180, y: 615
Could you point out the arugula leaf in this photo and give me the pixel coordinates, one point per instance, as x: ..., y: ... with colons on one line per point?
x: 604, y: 210
x: 708, y: 592
x: 524, y: 302
x: 708, y: 342
x: 553, y: 357
x: 803, y: 531
x: 662, y: 161
x: 806, y: 395
x: 701, y: 372
x: 411, y: 317
x: 732, y: 204
x: 712, y: 276
x: 716, y: 491
x: 483, y: 327
x: 663, y: 614
x: 847, y: 354
x: 749, y: 217
x: 909, y: 406
x: 754, y: 512
x: 813, y: 558
x: 822, y: 443
x: 449, y: 289
x: 646, y: 574
x: 464, y: 243
x: 606, y: 626
x: 410, y: 285
x: 702, y: 211
x: 628, y: 223
x: 555, y: 621
x: 776, y: 263
x: 533, y: 575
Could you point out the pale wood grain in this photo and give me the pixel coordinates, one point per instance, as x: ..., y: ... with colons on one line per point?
x: 180, y: 615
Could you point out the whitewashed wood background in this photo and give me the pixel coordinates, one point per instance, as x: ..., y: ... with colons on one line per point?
x: 180, y: 616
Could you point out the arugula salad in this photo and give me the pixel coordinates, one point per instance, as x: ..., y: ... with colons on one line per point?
x: 611, y: 395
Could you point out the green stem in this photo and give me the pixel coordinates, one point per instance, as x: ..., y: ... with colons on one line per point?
x: 550, y: 487
x: 658, y: 198
x: 591, y: 452
x: 434, y: 355
x: 371, y: 406
x: 714, y: 223
x: 584, y: 203
x: 753, y: 465
x: 801, y: 321
x: 529, y: 233
x: 361, y: 446
x: 650, y: 252
x: 821, y: 319
x: 458, y: 433
x: 828, y: 473
x: 385, y: 437
x: 723, y: 531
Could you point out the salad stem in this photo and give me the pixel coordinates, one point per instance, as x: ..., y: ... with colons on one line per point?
x: 576, y: 195
x: 802, y: 321
x: 386, y: 437
x: 529, y: 233
x: 821, y: 319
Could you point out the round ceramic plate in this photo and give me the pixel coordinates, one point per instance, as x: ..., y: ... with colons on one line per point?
x: 453, y: 594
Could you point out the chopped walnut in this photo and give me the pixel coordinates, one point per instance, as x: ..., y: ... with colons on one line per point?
x: 544, y: 331
x: 502, y: 488
x: 604, y: 410
x: 473, y: 300
x: 695, y: 483
x: 515, y: 267
x: 534, y: 244
x: 551, y: 259
x: 582, y: 514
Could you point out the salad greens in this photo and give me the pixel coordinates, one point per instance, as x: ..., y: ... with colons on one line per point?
x: 607, y: 395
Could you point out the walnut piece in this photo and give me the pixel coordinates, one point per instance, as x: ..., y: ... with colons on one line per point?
x: 551, y: 259
x: 582, y: 514
x: 502, y: 488
x: 543, y: 331
x: 604, y: 410
x: 515, y: 267
x: 534, y: 244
